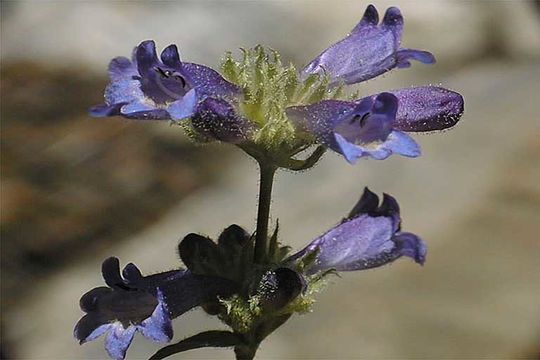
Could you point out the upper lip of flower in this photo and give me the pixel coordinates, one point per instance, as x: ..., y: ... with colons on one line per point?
x: 369, y: 50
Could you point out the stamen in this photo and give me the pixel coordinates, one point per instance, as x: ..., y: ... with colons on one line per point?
x: 181, y: 79
x: 361, y: 119
x: 163, y: 73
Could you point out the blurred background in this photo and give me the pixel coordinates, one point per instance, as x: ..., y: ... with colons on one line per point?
x: 76, y: 190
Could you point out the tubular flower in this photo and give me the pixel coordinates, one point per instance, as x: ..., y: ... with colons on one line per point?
x: 369, y: 237
x: 147, y: 87
x: 146, y: 304
x: 374, y: 126
x: 370, y: 49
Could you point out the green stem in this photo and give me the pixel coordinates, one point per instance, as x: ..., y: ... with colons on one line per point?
x: 263, y: 214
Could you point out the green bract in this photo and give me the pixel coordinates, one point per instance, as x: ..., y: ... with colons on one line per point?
x: 269, y: 87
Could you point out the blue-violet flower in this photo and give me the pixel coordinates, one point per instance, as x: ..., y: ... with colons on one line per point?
x: 146, y: 304
x: 370, y: 236
x: 149, y: 88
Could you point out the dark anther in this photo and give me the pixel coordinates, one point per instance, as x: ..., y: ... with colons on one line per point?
x: 361, y: 119
x: 169, y: 74
x: 364, y: 119
x: 164, y: 73
x: 181, y: 79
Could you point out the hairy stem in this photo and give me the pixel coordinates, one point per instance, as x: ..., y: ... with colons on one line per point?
x: 263, y: 214
x: 245, y: 352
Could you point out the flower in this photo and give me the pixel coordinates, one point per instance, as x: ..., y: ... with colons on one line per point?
x: 149, y: 88
x: 374, y: 126
x: 371, y: 49
x: 273, y: 112
x: 142, y: 303
x: 370, y: 236
x: 218, y: 119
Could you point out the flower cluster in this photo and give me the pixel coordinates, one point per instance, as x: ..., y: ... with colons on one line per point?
x: 274, y: 113
x: 224, y: 280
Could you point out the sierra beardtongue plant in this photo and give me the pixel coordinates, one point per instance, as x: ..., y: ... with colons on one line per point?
x: 276, y: 114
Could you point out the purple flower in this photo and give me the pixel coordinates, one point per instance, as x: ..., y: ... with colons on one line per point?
x: 371, y: 49
x: 374, y: 126
x: 146, y: 304
x: 218, y: 119
x: 149, y: 88
x: 369, y: 237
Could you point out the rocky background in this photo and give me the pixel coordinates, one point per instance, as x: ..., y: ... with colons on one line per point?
x: 76, y: 190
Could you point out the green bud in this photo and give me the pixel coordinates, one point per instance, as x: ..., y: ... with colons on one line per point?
x: 269, y: 88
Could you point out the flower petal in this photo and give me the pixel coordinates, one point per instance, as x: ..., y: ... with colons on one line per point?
x: 185, y: 291
x: 396, y: 143
x: 90, y: 327
x: 146, y: 56
x: 121, y: 68
x: 368, y: 51
x: 353, y: 152
x: 370, y: 121
x: 369, y: 205
x: 404, y: 55
x: 410, y: 245
x: 110, y: 269
x: 170, y: 56
x: 118, y: 340
x: 89, y: 301
x: 131, y: 273
x: 234, y: 237
x: 157, y: 327
x: 209, y: 82
x: 349, y: 245
x: 106, y: 110
x: 427, y: 108
x: 123, y: 91
x: 400, y: 143
x: 217, y: 119
x: 185, y: 107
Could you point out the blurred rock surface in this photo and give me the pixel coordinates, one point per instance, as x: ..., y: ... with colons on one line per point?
x: 90, y: 33
x: 72, y: 185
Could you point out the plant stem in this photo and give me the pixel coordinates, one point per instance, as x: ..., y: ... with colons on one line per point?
x: 244, y: 352
x: 263, y: 214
